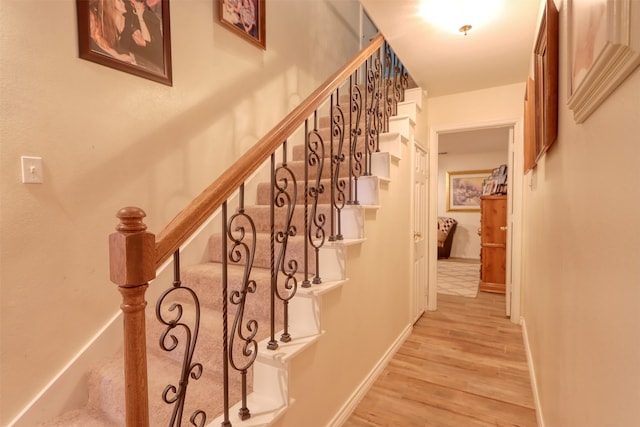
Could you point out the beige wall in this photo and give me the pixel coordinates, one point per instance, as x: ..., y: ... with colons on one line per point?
x: 477, y: 106
x: 109, y: 139
x: 581, y: 264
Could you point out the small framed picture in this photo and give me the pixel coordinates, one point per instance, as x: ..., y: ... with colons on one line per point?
x: 246, y: 18
x: 128, y: 35
x: 487, y: 187
x: 463, y: 190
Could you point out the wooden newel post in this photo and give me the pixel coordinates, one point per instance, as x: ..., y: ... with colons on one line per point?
x: 132, y: 266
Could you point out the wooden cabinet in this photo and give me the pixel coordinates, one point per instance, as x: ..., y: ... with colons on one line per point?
x: 493, y: 243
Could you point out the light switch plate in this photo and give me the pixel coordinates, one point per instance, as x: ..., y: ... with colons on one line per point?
x: 31, y: 170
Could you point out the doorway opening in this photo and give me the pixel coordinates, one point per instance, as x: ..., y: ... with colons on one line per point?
x: 475, y: 147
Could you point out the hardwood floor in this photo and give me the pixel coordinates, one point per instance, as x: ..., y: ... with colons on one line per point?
x: 463, y: 365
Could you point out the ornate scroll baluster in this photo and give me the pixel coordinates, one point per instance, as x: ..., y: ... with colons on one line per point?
x: 355, y: 155
x: 314, y: 222
x: 389, y: 102
x: 284, y: 194
x: 338, y: 184
x: 398, y: 80
x: 243, y: 334
x: 173, y: 395
x: 374, y: 95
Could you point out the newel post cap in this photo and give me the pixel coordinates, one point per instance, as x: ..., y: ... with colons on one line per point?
x: 131, y: 250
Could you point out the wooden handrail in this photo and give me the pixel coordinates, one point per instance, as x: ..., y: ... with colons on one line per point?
x: 205, y: 204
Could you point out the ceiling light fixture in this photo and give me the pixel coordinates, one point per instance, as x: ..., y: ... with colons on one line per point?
x: 465, y: 28
x: 458, y: 16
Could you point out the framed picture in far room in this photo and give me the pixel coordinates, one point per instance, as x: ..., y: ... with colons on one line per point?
x: 246, y: 18
x: 464, y: 188
x: 133, y: 36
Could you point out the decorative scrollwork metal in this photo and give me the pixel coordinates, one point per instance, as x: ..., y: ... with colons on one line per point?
x: 171, y: 317
x: 338, y: 184
x: 315, y: 230
x: 355, y: 154
x: 284, y: 194
x: 242, y: 333
x: 374, y: 112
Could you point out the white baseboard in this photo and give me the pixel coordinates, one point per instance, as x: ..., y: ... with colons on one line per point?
x: 532, y: 374
x: 350, y: 405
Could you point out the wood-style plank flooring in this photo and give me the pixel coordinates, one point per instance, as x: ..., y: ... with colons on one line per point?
x: 463, y: 365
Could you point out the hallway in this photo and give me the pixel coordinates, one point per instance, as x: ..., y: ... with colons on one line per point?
x: 463, y: 365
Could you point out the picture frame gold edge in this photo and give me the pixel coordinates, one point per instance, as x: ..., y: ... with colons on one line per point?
x: 261, y: 42
x: 448, y: 175
x: 85, y: 52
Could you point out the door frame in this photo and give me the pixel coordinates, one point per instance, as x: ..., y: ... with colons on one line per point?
x: 514, y: 215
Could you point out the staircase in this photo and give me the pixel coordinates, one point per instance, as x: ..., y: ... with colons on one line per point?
x: 309, y: 267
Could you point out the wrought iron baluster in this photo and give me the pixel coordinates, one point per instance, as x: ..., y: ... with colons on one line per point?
x: 374, y: 93
x: 225, y: 320
x: 171, y: 317
x: 380, y: 95
x: 284, y: 194
x: 305, y: 282
x: 243, y: 248
x: 398, y: 91
x: 315, y: 157
x: 338, y: 184
x: 387, y: 76
x: 355, y: 155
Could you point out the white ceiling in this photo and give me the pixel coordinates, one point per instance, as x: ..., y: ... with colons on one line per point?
x: 443, y: 62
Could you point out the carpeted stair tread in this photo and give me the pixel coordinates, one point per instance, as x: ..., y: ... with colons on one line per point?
x: 106, y: 385
x: 206, y: 280
x: 82, y: 417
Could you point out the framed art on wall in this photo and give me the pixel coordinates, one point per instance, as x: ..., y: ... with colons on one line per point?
x: 546, y: 58
x: 245, y: 18
x: 128, y: 35
x: 604, y: 48
x: 463, y: 190
x: 529, y: 126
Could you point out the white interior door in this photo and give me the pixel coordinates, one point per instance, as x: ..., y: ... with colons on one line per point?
x: 509, y: 260
x: 420, y: 234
